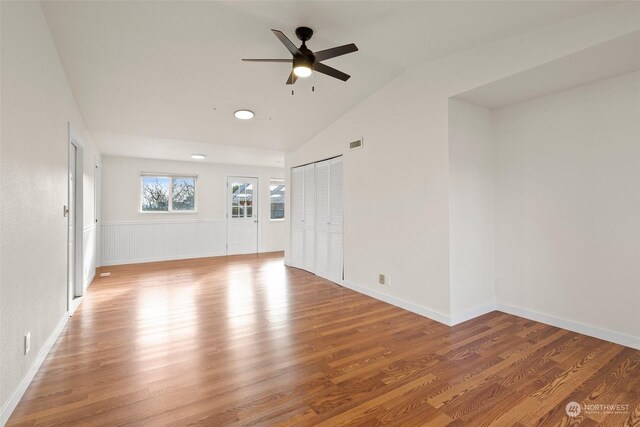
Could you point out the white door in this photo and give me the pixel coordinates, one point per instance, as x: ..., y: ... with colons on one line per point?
x: 242, y: 222
x: 297, y: 217
x: 329, y: 213
x: 303, y: 217
x: 322, y: 218
x: 309, y: 219
x: 71, y: 221
x: 336, y: 221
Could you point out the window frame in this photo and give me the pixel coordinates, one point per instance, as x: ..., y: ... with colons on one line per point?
x: 245, y: 207
x: 282, y: 181
x: 170, y: 177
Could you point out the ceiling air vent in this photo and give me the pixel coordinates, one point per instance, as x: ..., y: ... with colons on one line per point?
x: 354, y: 145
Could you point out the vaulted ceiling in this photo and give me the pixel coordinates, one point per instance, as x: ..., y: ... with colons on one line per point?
x: 171, y: 71
x: 610, y: 59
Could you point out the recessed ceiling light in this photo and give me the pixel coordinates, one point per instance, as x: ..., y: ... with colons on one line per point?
x: 198, y: 156
x: 243, y: 114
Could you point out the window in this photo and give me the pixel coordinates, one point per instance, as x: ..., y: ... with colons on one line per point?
x: 241, y: 200
x: 183, y: 194
x: 277, y: 198
x: 168, y: 194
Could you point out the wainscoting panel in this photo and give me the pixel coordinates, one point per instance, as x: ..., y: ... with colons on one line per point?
x: 146, y: 241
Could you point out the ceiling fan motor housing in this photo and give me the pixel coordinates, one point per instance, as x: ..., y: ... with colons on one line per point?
x: 306, y: 59
x: 304, y: 33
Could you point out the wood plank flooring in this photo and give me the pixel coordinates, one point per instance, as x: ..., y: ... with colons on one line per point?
x: 244, y: 340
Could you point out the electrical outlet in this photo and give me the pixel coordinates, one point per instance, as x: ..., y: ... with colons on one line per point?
x: 383, y: 279
x: 27, y: 343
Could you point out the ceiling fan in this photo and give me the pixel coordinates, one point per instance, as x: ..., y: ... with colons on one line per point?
x: 305, y: 61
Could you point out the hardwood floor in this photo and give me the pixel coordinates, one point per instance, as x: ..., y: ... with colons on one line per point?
x: 244, y: 340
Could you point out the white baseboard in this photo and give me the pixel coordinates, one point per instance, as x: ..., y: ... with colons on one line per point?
x: 13, y: 401
x: 472, y: 313
x: 581, y: 328
x: 173, y: 258
x: 158, y: 259
x: 399, y: 302
x: 570, y: 325
x: 287, y: 262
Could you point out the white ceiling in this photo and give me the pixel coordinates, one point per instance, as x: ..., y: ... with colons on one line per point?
x: 606, y: 60
x: 115, y: 144
x: 170, y: 72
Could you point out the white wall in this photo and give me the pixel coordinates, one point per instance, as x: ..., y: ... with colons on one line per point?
x: 37, y: 104
x: 396, y: 188
x: 568, y: 206
x: 121, y: 214
x: 471, y: 210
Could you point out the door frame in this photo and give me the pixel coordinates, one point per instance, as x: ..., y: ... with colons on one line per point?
x: 74, y: 294
x: 97, y: 207
x: 226, y: 207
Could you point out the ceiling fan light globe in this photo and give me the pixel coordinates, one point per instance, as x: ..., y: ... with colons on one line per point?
x: 302, y: 71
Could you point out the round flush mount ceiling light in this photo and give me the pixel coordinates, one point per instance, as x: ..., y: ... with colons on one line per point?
x: 243, y: 114
x: 198, y: 156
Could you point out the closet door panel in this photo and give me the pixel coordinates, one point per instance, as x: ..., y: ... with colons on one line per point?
x: 297, y: 217
x: 335, y: 258
x: 336, y: 221
x: 317, y: 218
x: 297, y: 197
x: 309, y: 218
x: 335, y: 201
x: 322, y: 254
x: 323, y: 217
x: 309, y: 250
x: 297, y: 247
x: 322, y: 195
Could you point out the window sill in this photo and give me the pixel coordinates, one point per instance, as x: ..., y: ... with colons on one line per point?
x: 277, y: 220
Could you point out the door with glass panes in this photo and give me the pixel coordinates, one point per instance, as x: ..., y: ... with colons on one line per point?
x: 242, y: 215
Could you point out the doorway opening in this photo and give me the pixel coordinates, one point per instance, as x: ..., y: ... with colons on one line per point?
x: 74, y: 213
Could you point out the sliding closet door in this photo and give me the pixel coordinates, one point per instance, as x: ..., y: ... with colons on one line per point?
x: 309, y: 218
x: 335, y: 226
x: 297, y: 217
x: 323, y: 218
